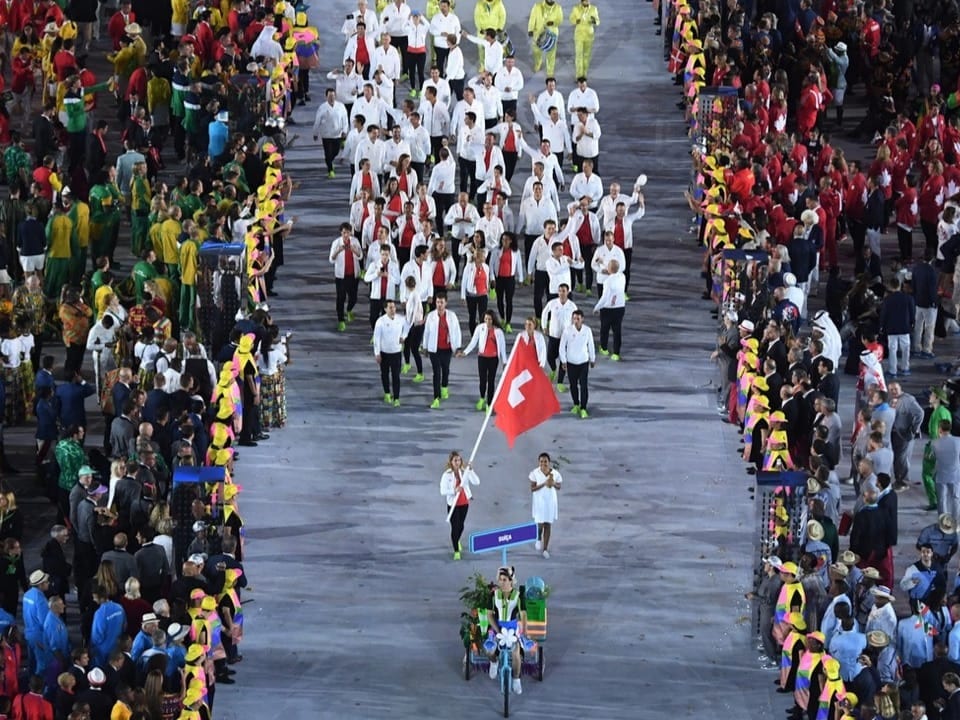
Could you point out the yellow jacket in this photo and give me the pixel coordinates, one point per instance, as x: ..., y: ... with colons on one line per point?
x: 189, y: 253
x: 159, y: 93
x: 169, y: 235
x: 581, y: 17
x: 155, y: 239
x: 543, y: 13
x: 489, y: 14
x: 80, y: 214
x: 60, y: 233
x: 125, y: 60
x: 181, y: 11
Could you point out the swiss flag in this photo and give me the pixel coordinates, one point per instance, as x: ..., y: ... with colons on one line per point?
x: 526, y: 396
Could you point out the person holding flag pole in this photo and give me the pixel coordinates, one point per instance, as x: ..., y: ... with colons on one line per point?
x: 455, y: 486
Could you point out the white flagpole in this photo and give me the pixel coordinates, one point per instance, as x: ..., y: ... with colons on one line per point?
x: 486, y: 419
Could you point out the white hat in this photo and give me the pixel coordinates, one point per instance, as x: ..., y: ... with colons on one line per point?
x: 133, y: 29
x: 38, y: 577
x: 96, y: 677
x: 148, y: 618
x: 197, y: 558
x: 882, y: 592
x: 223, y: 116
x: 840, y: 47
x: 51, y: 27
x: 747, y: 325
x: 809, y: 216
x: 789, y: 279
x: 199, y: 526
x: 177, y: 632
x: 775, y: 562
x: 641, y: 181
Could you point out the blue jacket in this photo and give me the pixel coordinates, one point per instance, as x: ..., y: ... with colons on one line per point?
x: 44, y: 379
x: 141, y: 643
x: 217, y: 143
x: 924, y: 284
x: 108, y: 622
x: 71, y: 396
x: 914, y: 645
x: 846, y: 647
x: 897, y: 313
x: 55, y: 639
x: 46, y: 411
x: 6, y: 620
x: 35, y: 611
x: 176, y: 659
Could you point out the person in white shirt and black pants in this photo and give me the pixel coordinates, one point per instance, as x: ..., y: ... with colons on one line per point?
x: 455, y: 487
x: 413, y: 333
x: 577, y: 356
x: 475, y: 286
x: 388, y: 337
x: 331, y: 127
x: 347, y: 258
x: 556, y: 317
x: 441, y: 338
x: 507, y: 266
x: 383, y: 274
x: 611, y: 307
x: 491, y: 347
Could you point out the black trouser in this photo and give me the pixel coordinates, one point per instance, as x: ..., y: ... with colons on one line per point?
x: 390, y: 373
x: 179, y: 137
x: 506, y: 287
x: 107, y: 422
x: 441, y: 59
x: 77, y: 149
x: 587, y: 252
x: 490, y: 123
x: 400, y: 43
x: 416, y: 62
x: 444, y: 202
x: 858, y: 234
x: 611, y: 319
x: 456, y: 526
x: 74, y: 360
x: 376, y: 310
x: 578, y: 383
x: 436, y: 143
x: 628, y: 256
x: 476, y: 306
x: 559, y: 157
x: 528, y: 241
x: 509, y: 106
x: 84, y: 563
x: 541, y: 283
x: 346, y: 295
x: 411, y: 346
x: 487, y: 370
x: 468, y: 177
x: 403, y: 255
x: 420, y: 168
x: 331, y: 146
x: 553, y: 354
x: 929, y: 234
x: 303, y: 83
x: 456, y: 87
x: 905, y: 242
x: 440, y: 363
x: 250, y: 414
x: 510, y: 164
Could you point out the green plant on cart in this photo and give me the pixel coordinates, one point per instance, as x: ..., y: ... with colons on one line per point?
x: 477, y: 598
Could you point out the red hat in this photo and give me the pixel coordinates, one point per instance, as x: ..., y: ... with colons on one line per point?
x: 188, y: 39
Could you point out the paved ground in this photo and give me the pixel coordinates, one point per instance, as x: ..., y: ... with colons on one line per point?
x: 354, y: 609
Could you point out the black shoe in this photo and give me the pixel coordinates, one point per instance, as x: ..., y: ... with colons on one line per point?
x: 262, y: 436
x: 247, y: 443
x: 225, y: 680
x: 784, y: 691
x: 272, y: 293
x: 10, y: 469
x: 751, y: 471
x: 231, y: 671
x: 306, y: 96
x: 291, y: 121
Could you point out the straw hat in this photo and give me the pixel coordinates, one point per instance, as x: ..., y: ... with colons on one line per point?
x: 849, y: 558
x: 814, y: 528
x: 877, y: 639
x: 946, y: 524
x: 133, y: 29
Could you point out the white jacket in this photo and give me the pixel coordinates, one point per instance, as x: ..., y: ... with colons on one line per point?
x: 413, y: 314
x: 467, y: 281
x: 614, y: 292
x: 432, y: 328
x: 355, y: 185
x: 479, y: 341
x: 387, y: 58
x: 367, y: 235
x: 540, y: 343
x: 331, y: 120
x: 462, y: 230
x: 372, y: 276
x: 448, y: 484
x: 602, y: 256
x: 557, y: 316
x: 388, y: 334
x: 424, y: 277
x: 449, y: 271
x: 338, y: 259
x: 431, y: 208
x: 435, y: 118
x: 576, y: 346
x: 485, y: 171
x: 516, y: 263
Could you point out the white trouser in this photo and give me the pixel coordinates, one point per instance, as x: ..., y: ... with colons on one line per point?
x: 897, y: 344
x: 923, y: 327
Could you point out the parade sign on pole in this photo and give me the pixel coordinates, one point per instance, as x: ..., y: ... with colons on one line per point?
x: 503, y: 538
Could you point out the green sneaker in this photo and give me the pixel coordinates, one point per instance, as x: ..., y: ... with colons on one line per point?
x: 341, y: 327
x: 561, y: 388
x: 444, y: 393
x: 481, y: 404
x: 508, y: 328
x: 331, y: 174
x: 396, y: 402
x: 603, y: 352
x: 589, y: 292
x: 388, y: 398
x: 404, y: 77
x: 615, y: 357
x: 418, y: 378
x: 553, y: 375
x: 580, y: 288
x: 575, y: 409
x: 350, y: 315
x: 626, y: 297
x: 584, y: 414
x: 459, y: 546
x: 435, y: 405
x: 456, y: 555
x: 576, y: 168
x: 371, y: 341
x: 405, y: 369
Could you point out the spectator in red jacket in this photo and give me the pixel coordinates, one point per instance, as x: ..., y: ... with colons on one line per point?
x: 31, y: 705
x: 121, y: 18
x: 907, y: 214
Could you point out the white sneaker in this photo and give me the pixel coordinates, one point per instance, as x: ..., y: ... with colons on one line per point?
x: 546, y: 555
x: 539, y: 545
x: 517, y: 687
x: 493, y: 669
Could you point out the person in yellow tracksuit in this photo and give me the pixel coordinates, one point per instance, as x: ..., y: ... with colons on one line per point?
x: 61, y: 247
x: 546, y: 16
x: 80, y: 215
x: 489, y: 15
x: 140, y: 201
x: 584, y: 18
x: 169, y: 252
x: 189, y: 259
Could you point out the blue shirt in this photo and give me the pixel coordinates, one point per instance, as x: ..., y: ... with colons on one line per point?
x: 35, y: 611
x: 55, y: 639
x: 218, y: 139
x: 830, y: 625
x: 141, y: 643
x: 846, y: 646
x: 108, y: 622
x: 914, y: 645
x: 71, y: 396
